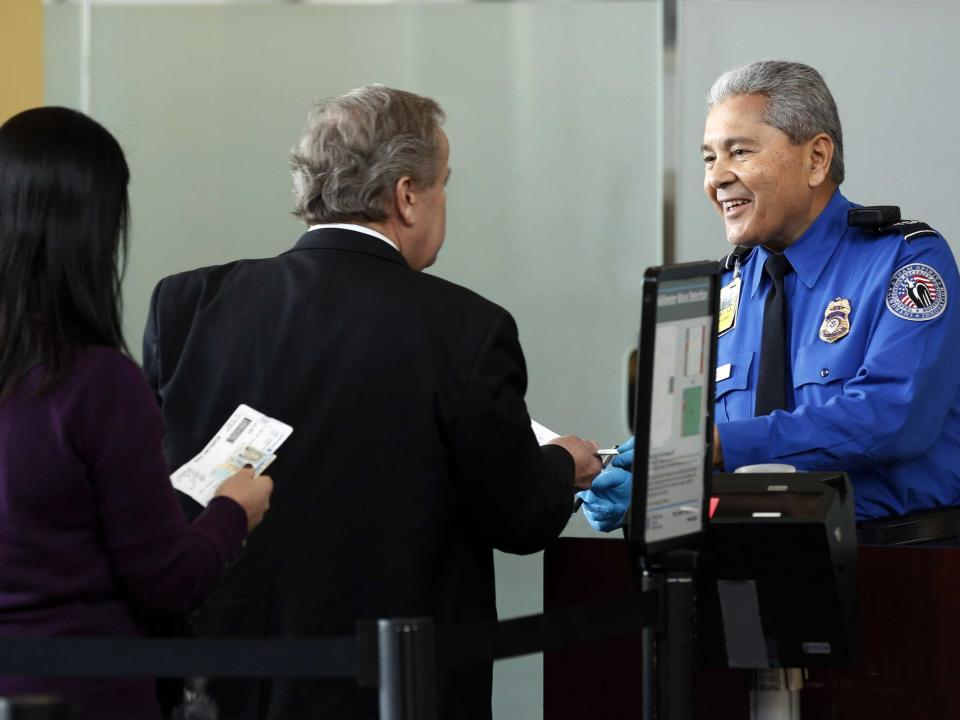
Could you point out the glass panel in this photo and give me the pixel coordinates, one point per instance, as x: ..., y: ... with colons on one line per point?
x: 552, y: 115
x: 554, y: 203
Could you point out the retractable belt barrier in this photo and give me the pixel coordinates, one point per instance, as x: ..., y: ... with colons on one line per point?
x: 336, y: 657
x: 145, y: 657
x: 556, y: 630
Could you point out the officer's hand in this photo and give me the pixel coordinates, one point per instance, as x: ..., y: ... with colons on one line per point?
x: 607, y: 500
x: 587, y: 463
x: 624, y: 457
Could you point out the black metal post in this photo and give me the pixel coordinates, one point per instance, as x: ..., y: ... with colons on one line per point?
x: 408, y: 669
x: 677, y: 648
x: 669, y: 648
x: 652, y: 582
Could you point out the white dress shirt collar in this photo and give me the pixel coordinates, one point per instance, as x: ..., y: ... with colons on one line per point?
x: 356, y: 228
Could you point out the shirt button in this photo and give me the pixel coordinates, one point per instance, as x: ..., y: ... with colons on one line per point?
x: 824, y: 372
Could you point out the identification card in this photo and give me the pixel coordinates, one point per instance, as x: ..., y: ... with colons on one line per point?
x: 729, y: 304
x: 247, y: 438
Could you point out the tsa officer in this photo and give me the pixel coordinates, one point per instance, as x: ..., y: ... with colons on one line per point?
x: 839, y: 330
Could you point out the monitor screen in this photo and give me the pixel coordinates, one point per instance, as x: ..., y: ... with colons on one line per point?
x: 681, y: 367
x: 674, y: 405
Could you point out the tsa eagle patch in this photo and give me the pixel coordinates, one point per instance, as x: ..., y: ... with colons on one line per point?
x: 916, y: 292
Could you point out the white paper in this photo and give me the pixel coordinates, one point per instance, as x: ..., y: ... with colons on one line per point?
x: 543, y: 434
x: 248, y: 437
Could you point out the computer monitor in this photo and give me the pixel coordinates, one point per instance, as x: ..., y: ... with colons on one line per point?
x: 673, y: 421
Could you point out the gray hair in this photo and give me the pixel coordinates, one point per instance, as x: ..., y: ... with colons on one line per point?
x: 356, y: 147
x: 798, y: 102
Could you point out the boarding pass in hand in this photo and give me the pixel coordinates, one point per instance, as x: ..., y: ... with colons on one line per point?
x: 247, y: 438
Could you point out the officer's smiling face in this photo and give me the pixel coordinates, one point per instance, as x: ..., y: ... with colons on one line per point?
x: 763, y: 186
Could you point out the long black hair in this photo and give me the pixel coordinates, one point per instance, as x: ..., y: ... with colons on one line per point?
x: 63, y: 241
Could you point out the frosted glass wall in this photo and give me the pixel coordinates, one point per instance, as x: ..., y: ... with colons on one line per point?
x: 890, y: 66
x: 554, y: 203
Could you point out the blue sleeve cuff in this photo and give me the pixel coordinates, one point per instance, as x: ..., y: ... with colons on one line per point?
x: 745, y: 442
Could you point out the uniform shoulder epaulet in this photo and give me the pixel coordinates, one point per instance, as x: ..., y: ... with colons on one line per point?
x: 910, y: 229
x: 729, y: 261
x: 883, y: 219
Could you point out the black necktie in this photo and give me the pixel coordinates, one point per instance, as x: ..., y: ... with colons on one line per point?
x: 774, y: 370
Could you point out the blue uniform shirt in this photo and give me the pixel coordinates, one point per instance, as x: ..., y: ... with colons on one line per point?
x: 881, y: 402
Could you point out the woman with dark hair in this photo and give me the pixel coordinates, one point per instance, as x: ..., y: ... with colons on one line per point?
x: 92, y: 540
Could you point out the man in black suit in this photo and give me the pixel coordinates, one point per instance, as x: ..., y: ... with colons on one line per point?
x: 412, y: 456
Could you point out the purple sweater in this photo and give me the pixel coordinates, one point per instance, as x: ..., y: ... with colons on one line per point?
x: 91, y: 534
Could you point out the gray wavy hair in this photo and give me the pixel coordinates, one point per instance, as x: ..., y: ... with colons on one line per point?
x: 357, y: 146
x: 799, y: 102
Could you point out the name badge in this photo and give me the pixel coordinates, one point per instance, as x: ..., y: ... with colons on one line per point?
x: 729, y: 304
x: 723, y: 371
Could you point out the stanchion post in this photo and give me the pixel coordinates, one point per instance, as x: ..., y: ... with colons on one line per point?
x: 677, y: 666
x: 652, y: 582
x: 408, y: 669
x: 669, y: 649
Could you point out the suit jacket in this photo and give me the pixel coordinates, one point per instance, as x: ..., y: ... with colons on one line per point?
x: 411, y: 458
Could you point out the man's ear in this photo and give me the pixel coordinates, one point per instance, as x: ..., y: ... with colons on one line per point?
x: 405, y: 200
x: 820, y: 158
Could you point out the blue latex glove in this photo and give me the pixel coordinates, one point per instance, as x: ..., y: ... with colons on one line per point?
x: 625, y: 457
x: 608, y: 498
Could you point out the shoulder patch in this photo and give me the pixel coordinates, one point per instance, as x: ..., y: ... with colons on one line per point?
x: 916, y: 292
